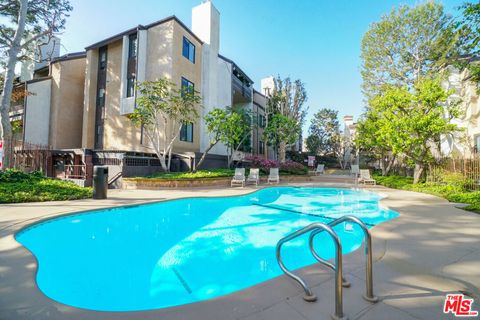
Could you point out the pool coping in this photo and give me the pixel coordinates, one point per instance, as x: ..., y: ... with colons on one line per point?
x: 291, y: 290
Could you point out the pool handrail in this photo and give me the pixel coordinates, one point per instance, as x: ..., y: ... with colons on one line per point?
x: 309, y: 295
x: 369, y: 296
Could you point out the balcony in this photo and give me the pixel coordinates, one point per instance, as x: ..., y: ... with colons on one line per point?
x: 241, y: 90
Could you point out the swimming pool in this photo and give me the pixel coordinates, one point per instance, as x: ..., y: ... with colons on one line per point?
x: 181, y: 251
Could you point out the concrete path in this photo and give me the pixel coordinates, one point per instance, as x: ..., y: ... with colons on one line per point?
x: 432, y: 249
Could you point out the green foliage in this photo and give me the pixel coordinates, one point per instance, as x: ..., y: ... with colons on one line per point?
x: 326, y: 127
x: 282, y: 129
x: 405, y: 45
x: 161, y: 109
x: 200, y: 174
x: 313, y: 144
x: 44, y: 17
x: 286, y: 101
x: 409, y: 122
x: 16, y: 186
x: 468, y: 28
x: 453, y: 192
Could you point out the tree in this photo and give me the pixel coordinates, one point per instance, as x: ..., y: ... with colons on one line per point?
x: 407, y: 44
x: 372, y: 141
x: 468, y: 28
x: 282, y: 129
x: 313, y: 144
x: 326, y: 127
x: 24, y: 24
x: 287, y: 99
x: 227, y: 126
x: 411, y: 121
x: 162, y: 109
x: 237, y: 130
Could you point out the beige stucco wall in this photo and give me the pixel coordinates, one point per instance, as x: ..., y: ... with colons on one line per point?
x: 463, y: 142
x: 37, y: 110
x: 182, y: 67
x: 119, y: 132
x: 88, y: 129
x: 66, y: 113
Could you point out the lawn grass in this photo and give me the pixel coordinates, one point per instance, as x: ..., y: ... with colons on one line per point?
x: 16, y: 187
x: 451, y: 192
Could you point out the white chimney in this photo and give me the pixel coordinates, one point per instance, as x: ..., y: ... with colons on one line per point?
x: 206, y: 24
x: 267, y: 86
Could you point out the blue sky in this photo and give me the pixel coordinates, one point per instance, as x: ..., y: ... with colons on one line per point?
x: 317, y: 41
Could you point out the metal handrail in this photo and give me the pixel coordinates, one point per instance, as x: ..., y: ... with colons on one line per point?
x: 369, y: 296
x: 309, y: 295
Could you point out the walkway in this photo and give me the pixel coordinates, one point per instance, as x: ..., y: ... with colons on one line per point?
x: 432, y: 249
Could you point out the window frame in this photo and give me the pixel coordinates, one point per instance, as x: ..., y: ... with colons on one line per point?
x: 187, y: 47
x: 184, y: 132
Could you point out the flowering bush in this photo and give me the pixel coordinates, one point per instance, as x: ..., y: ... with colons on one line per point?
x: 292, y: 167
x: 288, y: 167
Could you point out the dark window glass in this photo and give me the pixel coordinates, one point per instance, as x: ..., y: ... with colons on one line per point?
x: 261, y: 149
x: 188, y: 50
x: 131, y: 64
x: 186, y: 132
x: 130, y: 87
x: 103, y: 58
x: 132, y: 45
x: 187, y: 86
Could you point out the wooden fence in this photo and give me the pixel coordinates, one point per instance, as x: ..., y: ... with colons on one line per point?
x: 29, y: 157
x: 468, y: 168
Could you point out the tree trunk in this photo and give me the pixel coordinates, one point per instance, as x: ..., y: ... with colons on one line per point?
x: 417, y: 174
x: 6, y: 127
x: 282, y: 151
x: 204, y: 155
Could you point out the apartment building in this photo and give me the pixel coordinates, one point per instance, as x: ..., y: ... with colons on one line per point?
x: 163, y: 49
x: 91, y: 124
x: 465, y: 143
x: 48, y: 113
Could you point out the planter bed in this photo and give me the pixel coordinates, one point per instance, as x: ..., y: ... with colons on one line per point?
x: 152, y: 183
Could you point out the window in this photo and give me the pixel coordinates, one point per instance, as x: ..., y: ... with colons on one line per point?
x: 261, y: 147
x: 187, y: 86
x: 131, y: 64
x: 188, y: 50
x: 261, y: 121
x: 186, y: 133
x: 103, y: 58
x: 132, y: 45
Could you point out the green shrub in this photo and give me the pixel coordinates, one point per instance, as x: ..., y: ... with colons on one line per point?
x: 200, y: 174
x: 16, y: 186
x: 455, y: 191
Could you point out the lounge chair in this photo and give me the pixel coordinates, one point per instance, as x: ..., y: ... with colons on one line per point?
x: 320, y: 169
x: 254, y: 176
x: 365, y: 177
x: 354, y: 170
x: 273, y: 176
x: 239, y: 177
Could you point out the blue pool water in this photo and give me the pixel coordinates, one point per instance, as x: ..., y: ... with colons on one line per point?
x: 181, y: 251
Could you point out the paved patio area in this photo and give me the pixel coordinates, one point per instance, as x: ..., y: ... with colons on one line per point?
x: 432, y: 249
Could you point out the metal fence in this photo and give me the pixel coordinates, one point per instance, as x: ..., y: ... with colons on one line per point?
x: 466, y: 168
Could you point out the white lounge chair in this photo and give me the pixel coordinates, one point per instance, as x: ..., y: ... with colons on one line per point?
x: 320, y: 169
x: 365, y: 177
x: 274, y: 175
x: 239, y: 177
x: 354, y: 170
x: 254, y: 176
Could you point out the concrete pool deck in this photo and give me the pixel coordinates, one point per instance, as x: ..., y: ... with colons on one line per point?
x: 431, y: 250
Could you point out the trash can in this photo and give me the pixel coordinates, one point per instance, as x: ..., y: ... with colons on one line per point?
x: 100, y: 182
